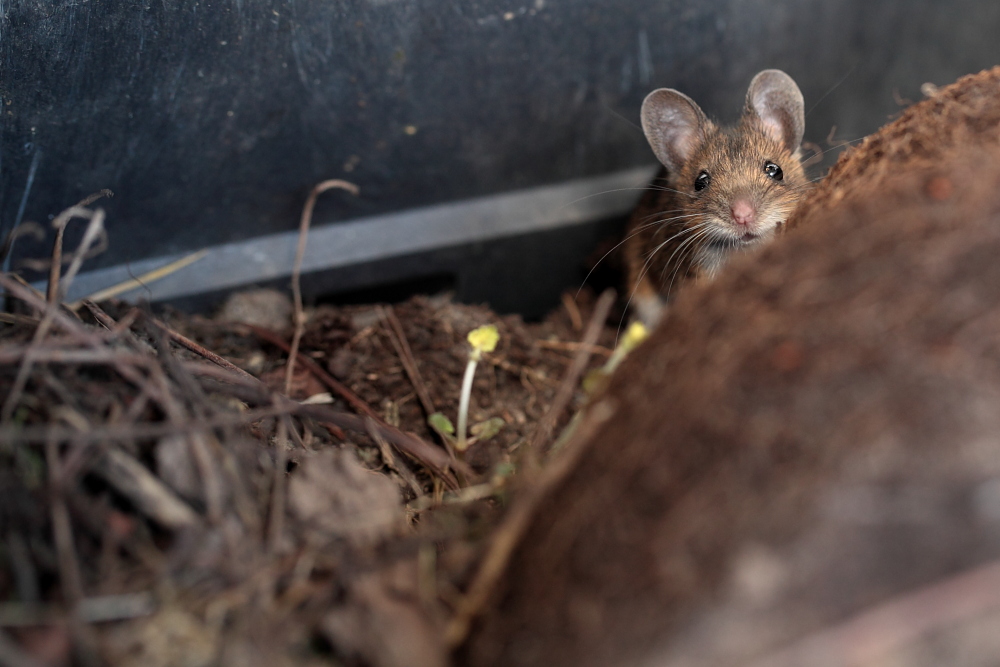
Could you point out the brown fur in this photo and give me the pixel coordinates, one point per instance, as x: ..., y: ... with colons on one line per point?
x: 663, y: 234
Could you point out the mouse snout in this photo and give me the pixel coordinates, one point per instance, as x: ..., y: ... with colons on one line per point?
x: 743, y: 213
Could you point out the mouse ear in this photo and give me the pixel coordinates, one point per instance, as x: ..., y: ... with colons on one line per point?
x: 777, y: 101
x: 674, y: 126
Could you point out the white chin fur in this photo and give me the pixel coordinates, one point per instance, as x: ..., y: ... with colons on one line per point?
x: 711, y: 258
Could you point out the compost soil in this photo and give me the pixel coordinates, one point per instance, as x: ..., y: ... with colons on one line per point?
x: 198, y: 548
x: 159, y: 507
x: 798, y: 442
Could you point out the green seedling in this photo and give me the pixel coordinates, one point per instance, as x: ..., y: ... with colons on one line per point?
x: 481, y: 432
x: 487, y: 429
x: 635, y: 334
x: 483, y: 339
x: 442, y: 426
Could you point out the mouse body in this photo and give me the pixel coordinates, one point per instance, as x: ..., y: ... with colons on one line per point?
x: 721, y: 189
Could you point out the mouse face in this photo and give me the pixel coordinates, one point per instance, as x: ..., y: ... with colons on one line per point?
x: 727, y: 189
x: 737, y: 188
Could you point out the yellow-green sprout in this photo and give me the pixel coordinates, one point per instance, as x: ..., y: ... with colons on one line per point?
x: 483, y: 339
x: 635, y: 334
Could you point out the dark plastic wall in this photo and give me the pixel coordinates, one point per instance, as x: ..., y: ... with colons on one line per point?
x: 211, y: 120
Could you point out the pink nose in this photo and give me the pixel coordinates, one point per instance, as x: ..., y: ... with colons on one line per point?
x: 743, y: 212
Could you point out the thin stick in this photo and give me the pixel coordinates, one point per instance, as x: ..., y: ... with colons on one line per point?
x: 572, y: 378
x: 390, y: 460
x: 145, y: 490
x: 60, y: 226
x: 12, y: 655
x: 398, y: 338
x: 276, y: 520
x: 335, y: 385
x: 433, y: 457
x: 571, y: 346
x: 14, y: 318
x: 868, y: 637
x: 114, y: 432
x: 118, y: 328
x: 203, y: 459
x: 43, y: 353
x: 515, y: 524
x: 300, y: 252
x: 51, y: 310
x: 569, y: 303
x: 36, y: 300
x: 90, y: 236
x: 198, y: 349
x: 52, y: 293
x: 69, y: 566
x: 142, y: 280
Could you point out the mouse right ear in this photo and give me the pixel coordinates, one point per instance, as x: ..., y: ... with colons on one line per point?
x: 777, y: 101
x: 674, y: 126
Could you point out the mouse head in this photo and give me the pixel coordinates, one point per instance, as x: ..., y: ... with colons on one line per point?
x: 738, y: 184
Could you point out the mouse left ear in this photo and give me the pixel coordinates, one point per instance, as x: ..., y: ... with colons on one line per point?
x: 674, y: 126
x: 777, y: 101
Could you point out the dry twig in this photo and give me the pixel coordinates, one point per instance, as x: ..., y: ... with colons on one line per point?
x: 508, y: 534
x: 300, y: 252
x: 199, y: 350
x: 141, y: 280
x: 145, y: 490
x: 60, y: 223
x: 276, y: 520
x: 95, y: 226
x: 871, y: 635
x: 398, y: 338
x: 569, y: 384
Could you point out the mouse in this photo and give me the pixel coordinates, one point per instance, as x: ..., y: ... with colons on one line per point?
x: 720, y: 190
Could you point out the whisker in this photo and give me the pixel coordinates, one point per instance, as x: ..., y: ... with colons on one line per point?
x: 656, y: 213
x: 605, y: 255
x: 692, y: 250
x: 687, y: 242
x: 646, y: 188
x: 679, y: 234
x: 670, y: 223
x: 646, y: 266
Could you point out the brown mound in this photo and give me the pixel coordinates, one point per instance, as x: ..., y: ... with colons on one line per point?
x: 810, y: 435
x: 965, y: 113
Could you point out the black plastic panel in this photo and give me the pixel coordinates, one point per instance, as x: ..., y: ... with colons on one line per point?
x: 211, y: 120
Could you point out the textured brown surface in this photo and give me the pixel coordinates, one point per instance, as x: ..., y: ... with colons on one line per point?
x: 813, y: 433
x: 964, y: 113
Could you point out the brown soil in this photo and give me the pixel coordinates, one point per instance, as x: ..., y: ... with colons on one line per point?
x: 800, y: 440
x: 963, y: 114
x: 213, y: 556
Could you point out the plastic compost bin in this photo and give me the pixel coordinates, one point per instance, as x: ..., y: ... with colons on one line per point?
x: 495, y: 143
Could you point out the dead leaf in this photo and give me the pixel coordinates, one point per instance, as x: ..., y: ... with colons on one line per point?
x: 333, y: 493
x: 383, y: 622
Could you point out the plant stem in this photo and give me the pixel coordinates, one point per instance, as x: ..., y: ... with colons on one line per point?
x: 463, y: 404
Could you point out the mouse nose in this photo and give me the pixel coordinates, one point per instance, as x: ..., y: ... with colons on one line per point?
x: 743, y: 212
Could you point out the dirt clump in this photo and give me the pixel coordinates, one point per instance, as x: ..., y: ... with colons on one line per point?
x: 800, y: 465
x: 960, y: 115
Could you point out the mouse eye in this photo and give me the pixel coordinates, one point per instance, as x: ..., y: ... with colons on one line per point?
x: 773, y: 170
x: 702, y: 181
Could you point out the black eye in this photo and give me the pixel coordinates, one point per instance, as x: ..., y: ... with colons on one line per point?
x: 773, y: 170
x: 702, y: 181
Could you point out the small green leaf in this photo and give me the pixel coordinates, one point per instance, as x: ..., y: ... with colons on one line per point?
x: 594, y: 380
x: 441, y: 424
x: 487, y: 429
x: 503, y: 470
